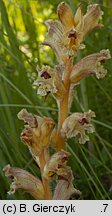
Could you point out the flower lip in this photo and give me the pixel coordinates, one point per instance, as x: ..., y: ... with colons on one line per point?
x: 65, y: 189
x: 78, y: 124
x: 50, y: 81
x: 83, y: 121
x: 56, y: 165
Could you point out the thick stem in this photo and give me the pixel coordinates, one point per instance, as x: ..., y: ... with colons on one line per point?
x: 63, y: 105
x: 63, y: 113
x: 42, y: 159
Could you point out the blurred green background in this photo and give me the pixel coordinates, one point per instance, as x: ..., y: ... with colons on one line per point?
x: 21, y: 31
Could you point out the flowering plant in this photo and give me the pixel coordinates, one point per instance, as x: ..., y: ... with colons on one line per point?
x: 65, y: 36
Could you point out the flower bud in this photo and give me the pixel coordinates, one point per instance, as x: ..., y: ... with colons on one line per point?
x: 90, y: 65
x: 78, y: 124
x: 22, y: 179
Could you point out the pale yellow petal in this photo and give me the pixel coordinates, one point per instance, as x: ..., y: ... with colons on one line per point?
x: 56, y: 164
x: 65, y: 15
x: 78, y: 16
x: 22, y: 179
x: 91, y: 18
x: 90, y: 65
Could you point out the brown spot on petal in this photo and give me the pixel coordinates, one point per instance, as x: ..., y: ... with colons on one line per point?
x: 72, y: 34
x: 65, y: 15
x: 65, y: 158
x: 45, y: 75
x: 103, y: 61
x: 83, y: 121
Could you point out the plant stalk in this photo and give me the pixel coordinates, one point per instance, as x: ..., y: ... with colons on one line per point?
x: 63, y: 105
x: 42, y: 159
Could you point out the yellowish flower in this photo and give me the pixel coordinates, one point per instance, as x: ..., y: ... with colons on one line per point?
x: 56, y: 165
x: 78, y: 26
x: 65, y: 36
x: 22, y: 179
x: 90, y: 65
x: 64, y: 188
x: 77, y: 124
x: 49, y: 81
x: 37, y: 132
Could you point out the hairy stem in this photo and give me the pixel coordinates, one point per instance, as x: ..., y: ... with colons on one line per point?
x: 42, y: 159
x: 63, y: 105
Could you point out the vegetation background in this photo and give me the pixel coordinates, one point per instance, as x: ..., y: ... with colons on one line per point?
x: 21, y: 31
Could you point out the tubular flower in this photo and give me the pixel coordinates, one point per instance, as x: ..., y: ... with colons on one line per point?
x: 90, y: 65
x: 56, y: 165
x: 79, y: 25
x: 64, y: 188
x: 56, y: 39
x: 91, y: 18
x: 49, y: 81
x: 78, y: 124
x: 65, y: 36
x: 37, y: 132
x: 22, y: 179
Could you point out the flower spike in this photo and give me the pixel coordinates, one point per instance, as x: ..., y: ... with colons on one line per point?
x: 65, y: 36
